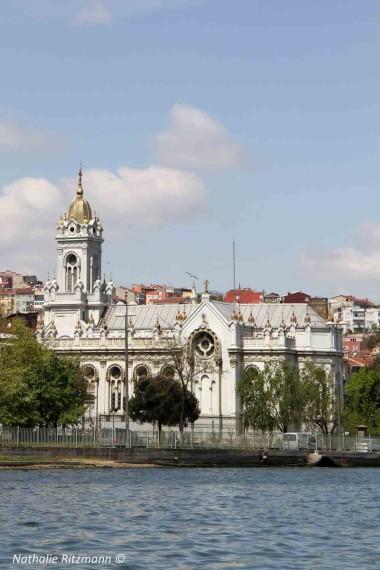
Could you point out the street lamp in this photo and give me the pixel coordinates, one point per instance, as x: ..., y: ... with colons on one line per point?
x: 126, y: 374
x: 114, y: 409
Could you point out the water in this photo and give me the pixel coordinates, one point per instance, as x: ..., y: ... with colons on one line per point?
x: 194, y: 518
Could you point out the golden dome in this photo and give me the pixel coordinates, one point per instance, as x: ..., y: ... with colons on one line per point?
x: 80, y: 209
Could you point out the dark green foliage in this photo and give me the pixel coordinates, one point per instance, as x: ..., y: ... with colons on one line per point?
x: 37, y: 387
x: 280, y: 397
x: 362, y: 400
x: 159, y: 399
x: 254, y: 399
x: 271, y: 399
x: 320, y: 408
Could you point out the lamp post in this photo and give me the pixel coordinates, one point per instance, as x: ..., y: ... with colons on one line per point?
x: 114, y: 409
x: 126, y: 374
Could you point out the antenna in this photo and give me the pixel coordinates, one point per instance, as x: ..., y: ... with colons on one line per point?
x: 234, y: 268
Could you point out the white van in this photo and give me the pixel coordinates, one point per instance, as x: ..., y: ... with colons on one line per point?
x: 298, y: 440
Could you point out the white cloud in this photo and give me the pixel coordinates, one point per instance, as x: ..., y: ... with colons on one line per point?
x: 30, y: 208
x: 150, y: 196
x: 94, y: 13
x: 27, y: 206
x: 14, y: 136
x: 194, y: 139
x: 359, y: 262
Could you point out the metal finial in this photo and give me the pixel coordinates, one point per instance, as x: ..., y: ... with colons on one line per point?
x: 80, y: 189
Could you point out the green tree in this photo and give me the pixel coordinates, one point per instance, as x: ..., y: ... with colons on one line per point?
x: 254, y: 399
x: 362, y: 400
x: 159, y: 399
x: 186, y: 369
x: 320, y: 406
x: 286, y: 396
x: 37, y: 387
x: 372, y: 340
x: 271, y: 399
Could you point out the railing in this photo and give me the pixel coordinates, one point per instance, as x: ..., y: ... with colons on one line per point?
x: 172, y: 438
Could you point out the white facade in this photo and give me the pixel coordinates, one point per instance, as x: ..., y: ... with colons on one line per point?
x: 357, y: 318
x: 24, y: 301
x: 77, y: 293
x: 39, y: 298
x: 225, y: 339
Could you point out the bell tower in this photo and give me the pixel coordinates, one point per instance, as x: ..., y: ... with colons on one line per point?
x: 79, y: 245
x: 76, y: 294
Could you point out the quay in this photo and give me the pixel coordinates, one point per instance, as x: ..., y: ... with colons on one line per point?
x: 24, y: 457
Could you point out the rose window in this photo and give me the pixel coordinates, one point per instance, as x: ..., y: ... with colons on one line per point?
x: 204, y: 345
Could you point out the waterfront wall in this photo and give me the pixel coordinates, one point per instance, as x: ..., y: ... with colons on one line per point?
x: 166, y: 457
x: 192, y: 457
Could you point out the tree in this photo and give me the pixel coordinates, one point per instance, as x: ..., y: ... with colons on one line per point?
x: 159, y: 399
x: 37, y: 387
x: 320, y: 407
x: 372, y: 340
x: 254, y: 399
x: 271, y: 399
x: 286, y: 395
x: 186, y: 369
x: 362, y: 400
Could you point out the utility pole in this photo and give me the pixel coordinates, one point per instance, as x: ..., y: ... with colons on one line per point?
x: 126, y: 374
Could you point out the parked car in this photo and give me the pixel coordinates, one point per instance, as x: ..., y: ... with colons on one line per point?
x: 298, y: 440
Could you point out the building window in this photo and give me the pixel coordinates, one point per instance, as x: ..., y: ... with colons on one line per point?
x: 89, y: 372
x: 71, y: 272
x: 115, y: 388
x: 252, y: 371
x: 168, y: 372
x: 141, y: 372
x: 115, y: 372
x: 204, y: 344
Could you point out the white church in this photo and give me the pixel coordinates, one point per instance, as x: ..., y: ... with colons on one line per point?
x: 80, y: 318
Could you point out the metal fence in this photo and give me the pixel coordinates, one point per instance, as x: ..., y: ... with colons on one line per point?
x: 77, y: 437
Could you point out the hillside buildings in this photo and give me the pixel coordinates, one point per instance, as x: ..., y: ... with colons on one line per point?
x: 354, y: 314
x: 18, y: 293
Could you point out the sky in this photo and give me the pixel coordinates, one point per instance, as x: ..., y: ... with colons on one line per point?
x: 198, y: 122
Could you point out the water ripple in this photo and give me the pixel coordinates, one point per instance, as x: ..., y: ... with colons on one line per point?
x: 222, y: 519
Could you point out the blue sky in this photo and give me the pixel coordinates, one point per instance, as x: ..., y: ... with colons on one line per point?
x: 197, y: 121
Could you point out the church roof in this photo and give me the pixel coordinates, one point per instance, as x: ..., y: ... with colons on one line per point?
x: 275, y: 313
x: 80, y: 209
x: 145, y: 316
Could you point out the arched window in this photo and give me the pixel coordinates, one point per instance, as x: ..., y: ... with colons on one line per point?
x: 141, y: 372
x: 115, y: 372
x: 89, y: 372
x: 90, y: 376
x: 72, y: 272
x: 252, y: 371
x: 115, y: 388
x: 168, y: 372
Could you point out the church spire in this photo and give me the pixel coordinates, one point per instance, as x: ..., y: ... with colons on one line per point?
x: 80, y: 209
x: 79, y: 187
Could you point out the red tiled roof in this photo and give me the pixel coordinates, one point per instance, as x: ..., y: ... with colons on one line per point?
x: 171, y: 301
x: 244, y: 296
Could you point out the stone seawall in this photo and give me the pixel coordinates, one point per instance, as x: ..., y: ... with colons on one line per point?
x: 164, y: 457
x: 185, y: 457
